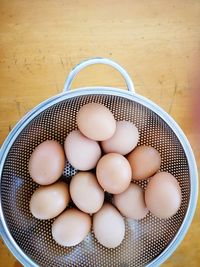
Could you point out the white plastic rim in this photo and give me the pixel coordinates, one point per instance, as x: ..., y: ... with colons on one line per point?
x: 6, y: 235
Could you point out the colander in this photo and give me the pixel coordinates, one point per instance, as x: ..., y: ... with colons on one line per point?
x: 148, y: 242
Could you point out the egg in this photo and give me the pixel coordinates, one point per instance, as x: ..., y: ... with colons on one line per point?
x: 82, y: 152
x: 131, y: 202
x: 96, y: 121
x: 71, y: 227
x: 108, y: 226
x: 124, y: 139
x: 47, y: 162
x: 145, y: 161
x: 49, y: 201
x: 113, y: 173
x: 163, y: 195
x: 86, y: 193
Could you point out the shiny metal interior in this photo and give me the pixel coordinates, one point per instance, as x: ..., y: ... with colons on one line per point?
x: 145, y: 239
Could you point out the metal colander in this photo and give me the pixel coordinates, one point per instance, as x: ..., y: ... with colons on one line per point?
x: 148, y: 242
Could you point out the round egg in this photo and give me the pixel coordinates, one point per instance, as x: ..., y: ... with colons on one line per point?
x: 163, y: 195
x: 131, y: 202
x: 82, y: 152
x: 145, y: 161
x: 86, y: 193
x: 96, y: 121
x: 47, y: 162
x: 49, y: 201
x: 108, y: 226
x: 71, y: 227
x: 113, y: 173
x: 124, y: 139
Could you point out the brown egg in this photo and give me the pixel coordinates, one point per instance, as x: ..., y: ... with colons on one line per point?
x: 124, y: 139
x: 96, y: 121
x: 163, y: 195
x: 71, y: 227
x: 114, y: 173
x: 109, y: 226
x: 49, y: 201
x: 82, y: 152
x: 47, y: 162
x: 86, y: 193
x: 131, y: 202
x: 144, y: 161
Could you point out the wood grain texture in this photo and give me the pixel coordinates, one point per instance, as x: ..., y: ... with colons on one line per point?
x: 156, y: 41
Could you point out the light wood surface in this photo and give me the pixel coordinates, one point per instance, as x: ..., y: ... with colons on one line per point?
x: 156, y: 41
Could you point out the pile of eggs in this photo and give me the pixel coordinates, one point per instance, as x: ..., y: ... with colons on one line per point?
x: 106, y: 155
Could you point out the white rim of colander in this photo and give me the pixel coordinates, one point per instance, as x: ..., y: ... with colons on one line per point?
x: 6, y: 235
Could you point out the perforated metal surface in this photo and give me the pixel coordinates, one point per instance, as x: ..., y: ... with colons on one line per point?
x: 145, y: 239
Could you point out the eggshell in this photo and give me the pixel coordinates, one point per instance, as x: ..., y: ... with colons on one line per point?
x: 71, y: 227
x: 96, y: 121
x: 47, y: 162
x: 131, y: 202
x: 144, y: 161
x: 124, y: 139
x: 86, y: 193
x: 114, y: 173
x: 163, y: 195
x: 49, y: 201
x: 109, y: 226
x: 82, y: 152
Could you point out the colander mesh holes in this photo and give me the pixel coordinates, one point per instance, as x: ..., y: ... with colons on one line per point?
x: 145, y: 239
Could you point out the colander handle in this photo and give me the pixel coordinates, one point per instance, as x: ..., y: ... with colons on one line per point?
x: 98, y: 60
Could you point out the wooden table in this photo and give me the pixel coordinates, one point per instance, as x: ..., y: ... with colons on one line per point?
x: 156, y: 41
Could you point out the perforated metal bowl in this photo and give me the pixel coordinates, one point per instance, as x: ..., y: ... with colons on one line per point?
x: 148, y: 242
